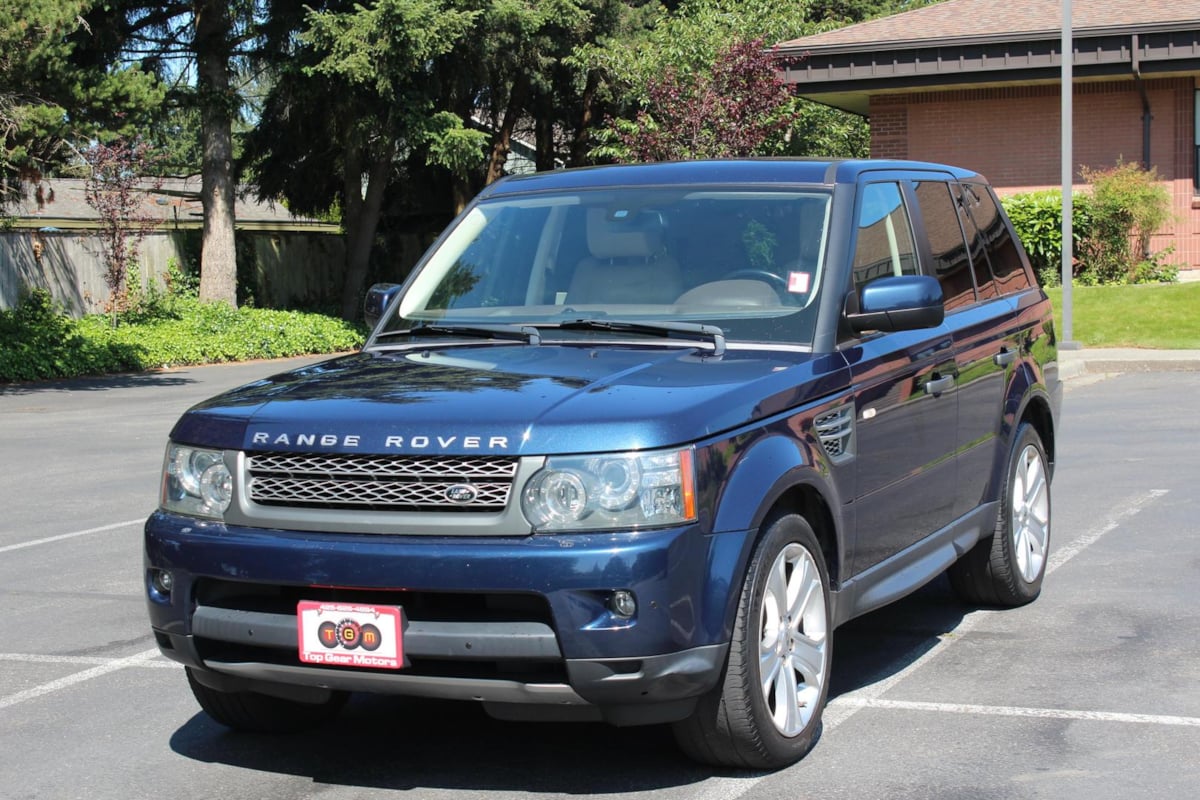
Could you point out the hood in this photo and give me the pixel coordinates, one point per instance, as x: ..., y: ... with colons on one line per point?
x: 510, y: 400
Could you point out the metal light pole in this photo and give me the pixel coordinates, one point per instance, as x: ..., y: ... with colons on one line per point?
x: 1067, y: 340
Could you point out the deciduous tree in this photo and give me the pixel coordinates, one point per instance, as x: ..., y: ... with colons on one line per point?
x: 116, y: 189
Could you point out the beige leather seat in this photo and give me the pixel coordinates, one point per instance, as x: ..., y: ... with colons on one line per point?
x: 739, y: 293
x: 628, y: 263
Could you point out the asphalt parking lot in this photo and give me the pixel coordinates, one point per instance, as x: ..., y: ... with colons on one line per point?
x: 1091, y: 692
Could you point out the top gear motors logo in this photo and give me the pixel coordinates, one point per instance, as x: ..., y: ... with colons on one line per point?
x: 349, y: 635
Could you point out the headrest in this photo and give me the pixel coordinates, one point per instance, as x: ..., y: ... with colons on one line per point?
x: 639, y: 237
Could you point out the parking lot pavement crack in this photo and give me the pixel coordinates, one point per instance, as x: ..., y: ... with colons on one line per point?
x: 114, y: 665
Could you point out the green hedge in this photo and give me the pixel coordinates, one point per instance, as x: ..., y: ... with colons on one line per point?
x: 1111, y: 226
x: 40, y: 342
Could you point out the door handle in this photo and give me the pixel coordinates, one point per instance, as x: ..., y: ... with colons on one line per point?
x: 936, y: 385
x: 1004, y: 357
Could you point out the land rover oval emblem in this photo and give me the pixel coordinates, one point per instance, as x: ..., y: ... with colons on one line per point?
x: 462, y: 493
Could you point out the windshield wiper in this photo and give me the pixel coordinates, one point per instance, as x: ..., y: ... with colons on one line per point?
x: 683, y: 330
x: 516, y: 333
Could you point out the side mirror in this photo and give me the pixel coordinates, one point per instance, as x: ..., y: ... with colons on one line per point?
x: 378, y: 298
x: 897, y: 303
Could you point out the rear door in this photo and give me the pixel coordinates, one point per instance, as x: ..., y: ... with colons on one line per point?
x: 990, y: 338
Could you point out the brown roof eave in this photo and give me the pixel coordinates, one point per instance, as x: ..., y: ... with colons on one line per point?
x: 990, y: 61
x: 795, y: 48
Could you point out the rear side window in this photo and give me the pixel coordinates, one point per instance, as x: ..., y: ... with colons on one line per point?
x: 884, y: 243
x: 951, y: 263
x: 1007, y: 266
x: 985, y: 286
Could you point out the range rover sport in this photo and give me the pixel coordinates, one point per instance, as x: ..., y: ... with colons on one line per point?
x: 628, y: 444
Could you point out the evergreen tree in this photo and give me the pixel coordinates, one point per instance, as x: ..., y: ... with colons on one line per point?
x: 61, y: 84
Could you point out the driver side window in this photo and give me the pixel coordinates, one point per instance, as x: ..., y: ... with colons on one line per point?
x: 884, y: 241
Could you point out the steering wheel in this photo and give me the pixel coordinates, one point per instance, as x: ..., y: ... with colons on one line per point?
x: 776, y: 282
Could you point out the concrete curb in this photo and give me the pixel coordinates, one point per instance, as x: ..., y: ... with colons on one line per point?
x: 1109, y: 360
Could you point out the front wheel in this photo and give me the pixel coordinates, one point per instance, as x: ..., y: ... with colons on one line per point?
x: 766, y: 712
x: 1007, y: 568
x: 259, y: 713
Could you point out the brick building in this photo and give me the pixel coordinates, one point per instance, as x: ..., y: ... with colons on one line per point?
x: 976, y: 83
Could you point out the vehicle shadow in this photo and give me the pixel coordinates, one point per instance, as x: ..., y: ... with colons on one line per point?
x: 380, y: 742
x: 880, y: 644
x: 397, y: 743
x: 133, y: 380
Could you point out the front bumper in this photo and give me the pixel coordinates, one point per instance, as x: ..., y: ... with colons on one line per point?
x: 516, y: 623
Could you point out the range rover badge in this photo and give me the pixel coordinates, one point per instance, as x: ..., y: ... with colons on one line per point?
x: 461, y: 493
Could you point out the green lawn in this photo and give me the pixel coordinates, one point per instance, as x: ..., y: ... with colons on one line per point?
x: 1160, y: 316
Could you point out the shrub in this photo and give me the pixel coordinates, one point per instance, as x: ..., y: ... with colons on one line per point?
x: 1127, y: 206
x: 1037, y: 218
x: 1111, y: 225
x: 40, y: 341
x: 204, y: 333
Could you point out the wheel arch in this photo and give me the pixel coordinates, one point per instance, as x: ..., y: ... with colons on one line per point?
x: 807, y: 501
x: 1037, y: 413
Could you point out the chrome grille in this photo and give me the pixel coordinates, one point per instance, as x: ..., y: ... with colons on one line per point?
x: 835, y: 429
x: 380, y: 482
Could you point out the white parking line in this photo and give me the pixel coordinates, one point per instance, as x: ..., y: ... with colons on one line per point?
x: 839, y: 710
x: 1041, y: 713
x: 1062, y: 556
x: 975, y: 619
x: 78, y: 677
x: 39, y: 658
x: 844, y: 706
x: 35, y: 542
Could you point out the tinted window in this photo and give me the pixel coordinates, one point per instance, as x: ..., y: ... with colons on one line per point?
x: 950, y: 261
x: 985, y: 287
x: 884, y: 245
x: 1007, y: 265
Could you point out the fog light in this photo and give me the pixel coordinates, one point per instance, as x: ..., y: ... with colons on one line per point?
x: 161, y: 581
x: 622, y: 603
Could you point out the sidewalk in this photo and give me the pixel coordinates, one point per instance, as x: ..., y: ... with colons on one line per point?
x: 1107, y: 360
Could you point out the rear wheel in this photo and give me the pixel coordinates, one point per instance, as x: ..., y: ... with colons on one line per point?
x: 1007, y: 568
x: 766, y: 712
x: 260, y: 713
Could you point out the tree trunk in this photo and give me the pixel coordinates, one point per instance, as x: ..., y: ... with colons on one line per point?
x: 461, y: 193
x: 580, y: 142
x: 218, y: 254
x: 544, y: 138
x: 361, y: 220
x: 502, y: 143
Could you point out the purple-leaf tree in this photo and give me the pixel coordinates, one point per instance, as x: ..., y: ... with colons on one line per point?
x: 739, y: 107
x: 118, y: 188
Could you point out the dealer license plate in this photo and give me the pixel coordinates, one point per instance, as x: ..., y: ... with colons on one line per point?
x: 350, y: 634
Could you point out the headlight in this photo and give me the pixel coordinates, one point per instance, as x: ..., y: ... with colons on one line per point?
x: 621, y: 490
x: 196, y: 482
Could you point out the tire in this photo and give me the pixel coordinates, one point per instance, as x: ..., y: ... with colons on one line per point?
x: 758, y: 720
x: 259, y: 713
x: 1007, y: 568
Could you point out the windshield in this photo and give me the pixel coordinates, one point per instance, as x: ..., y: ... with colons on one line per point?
x: 747, y: 261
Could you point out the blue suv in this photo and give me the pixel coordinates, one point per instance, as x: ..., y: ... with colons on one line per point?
x: 628, y: 444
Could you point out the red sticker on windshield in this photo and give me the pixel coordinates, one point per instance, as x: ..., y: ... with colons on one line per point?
x: 799, y: 282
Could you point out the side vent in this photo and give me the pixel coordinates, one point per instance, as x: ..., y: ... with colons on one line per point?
x: 835, y: 429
